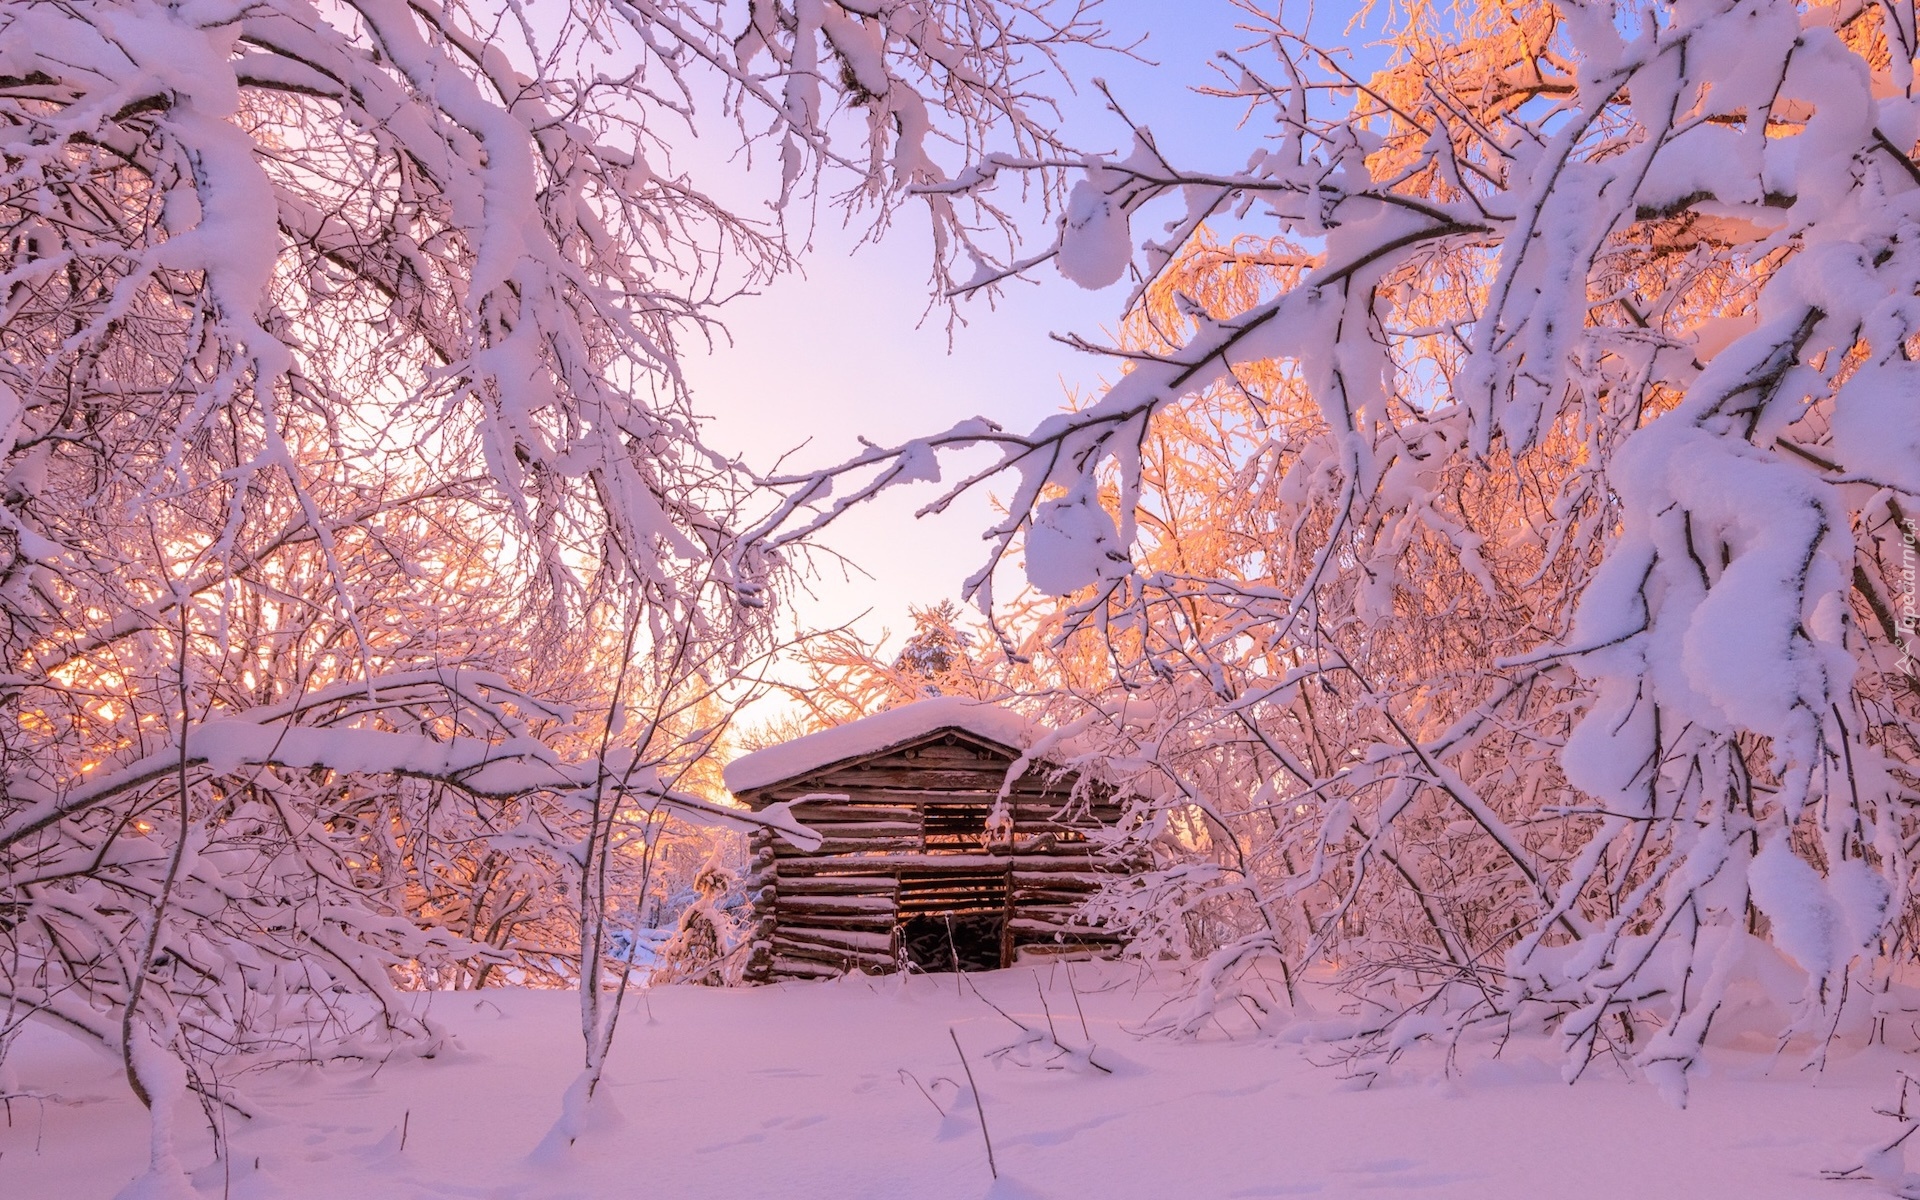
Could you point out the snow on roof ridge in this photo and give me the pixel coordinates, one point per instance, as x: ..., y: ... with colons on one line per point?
x: 880, y: 731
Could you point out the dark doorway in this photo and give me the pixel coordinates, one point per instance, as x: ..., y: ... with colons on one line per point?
x: 940, y: 941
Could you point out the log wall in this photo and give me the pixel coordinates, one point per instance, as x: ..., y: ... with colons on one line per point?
x: 904, y: 837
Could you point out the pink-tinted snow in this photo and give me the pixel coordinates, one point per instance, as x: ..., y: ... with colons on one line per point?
x: 815, y: 1092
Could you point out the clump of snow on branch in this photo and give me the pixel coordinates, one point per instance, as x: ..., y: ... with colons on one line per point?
x: 368, y: 583
x: 1072, y: 544
x: 1507, y: 519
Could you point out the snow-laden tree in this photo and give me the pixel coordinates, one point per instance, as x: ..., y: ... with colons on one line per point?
x: 843, y: 676
x: 1551, y: 644
x: 363, y: 562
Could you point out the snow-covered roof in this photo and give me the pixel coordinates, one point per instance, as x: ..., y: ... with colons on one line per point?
x: 881, y: 731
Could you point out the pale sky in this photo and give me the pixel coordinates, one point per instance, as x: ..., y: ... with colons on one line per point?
x: 841, y: 351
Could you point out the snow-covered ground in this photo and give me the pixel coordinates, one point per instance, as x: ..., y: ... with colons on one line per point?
x: 816, y: 1091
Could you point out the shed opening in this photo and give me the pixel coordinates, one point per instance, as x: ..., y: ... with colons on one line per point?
x: 968, y: 941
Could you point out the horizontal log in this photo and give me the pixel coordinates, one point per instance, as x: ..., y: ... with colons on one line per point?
x: 813, y: 968
x: 1071, y: 904
x: 1038, y: 822
x: 804, y: 928
x: 828, y: 918
x: 792, y: 968
x: 972, y: 895
x: 1043, y: 934
x: 1059, y: 863
x: 864, y: 829
x: 1059, y: 858
x: 878, y: 810
x: 820, y: 939
x: 829, y: 952
x: 972, y: 901
x: 1078, y: 885
x: 938, y: 777
x: 949, y: 862
x: 859, y: 902
x: 1038, y: 925
x: 796, y: 915
x: 869, y: 794
x: 947, y: 880
x: 836, y: 939
x: 1025, y: 952
x: 931, y: 778
x: 954, y: 910
x: 1068, y: 860
x: 923, y: 876
x: 864, y: 792
x: 1057, y: 916
x: 843, y: 866
x: 1051, y: 800
x: 838, y: 960
x: 1051, y: 899
x: 952, y: 902
x: 831, y: 846
x: 931, y: 775
x: 804, y: 883
x: 953, y: 747
x: 908, y: 808
x: 1062, y: 880
x: 955, y: 752
x: 997, y: 888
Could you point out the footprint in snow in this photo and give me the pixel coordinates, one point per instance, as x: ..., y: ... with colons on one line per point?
x: 1379, y: 1166
x: 1053, y: 1137
x: 749, y: 1140
x: 1398, y: 1173
x: 1427, y: 1180
x: 791, y: 1122
x: 1234, y: 1093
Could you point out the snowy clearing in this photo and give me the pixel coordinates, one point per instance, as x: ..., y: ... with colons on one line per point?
x: 808, y: 1090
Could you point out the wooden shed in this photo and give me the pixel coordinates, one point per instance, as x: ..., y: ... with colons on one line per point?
x: 909, y: 874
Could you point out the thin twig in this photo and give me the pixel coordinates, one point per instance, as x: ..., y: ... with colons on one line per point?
x: 1015, y: 1021
x: 977, y: 1105
x: 1084, y: 1031
x: 906, y: 1075
x: 1041, y: 993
